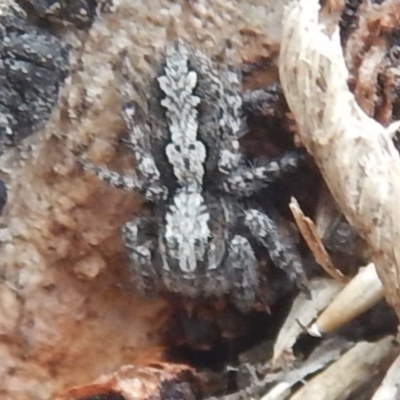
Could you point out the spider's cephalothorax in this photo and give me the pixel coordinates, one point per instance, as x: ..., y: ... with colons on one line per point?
x: 199, y: 225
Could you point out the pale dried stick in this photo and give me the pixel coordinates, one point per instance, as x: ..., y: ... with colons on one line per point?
x: 390, y: 387
x: 358, y: 365
x: 354, y: 152
x: 302, y: 313
x: 360, y: 294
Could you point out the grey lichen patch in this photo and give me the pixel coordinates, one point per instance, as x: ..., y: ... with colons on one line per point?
x: 33, y: 66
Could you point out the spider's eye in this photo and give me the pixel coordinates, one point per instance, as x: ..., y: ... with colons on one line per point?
x: 178, y: 148
x: 191, y: 147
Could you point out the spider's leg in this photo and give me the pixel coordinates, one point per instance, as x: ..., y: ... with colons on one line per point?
x: 268, y: 102
x: 210, y: 90
x: 139, y: 133
x: 231, y: 123
x: 281, y: 248
x: 115, y: 179
x: 248, y: 179
x: 140, y: 246
x: 220, y: 122
x: 242, y: 265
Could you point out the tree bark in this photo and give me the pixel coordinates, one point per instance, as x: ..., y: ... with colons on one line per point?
x: 69, y: 311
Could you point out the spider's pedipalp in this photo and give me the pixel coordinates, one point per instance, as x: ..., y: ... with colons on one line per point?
x: 277, y: 241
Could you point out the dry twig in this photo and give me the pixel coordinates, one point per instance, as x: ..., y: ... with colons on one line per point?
x: 360, y: 294
x: 351, y: 371
x: 390, y: 388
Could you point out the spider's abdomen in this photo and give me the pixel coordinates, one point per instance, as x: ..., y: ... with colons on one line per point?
x: 187, y: 233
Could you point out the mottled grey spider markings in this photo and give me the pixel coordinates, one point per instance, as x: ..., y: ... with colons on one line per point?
x: 185, y: 152
x: 281, y: 251
x: 187, y: 231
x: 196, y: 231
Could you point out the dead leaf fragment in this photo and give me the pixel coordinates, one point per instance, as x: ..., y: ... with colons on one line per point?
x: 314, y: 242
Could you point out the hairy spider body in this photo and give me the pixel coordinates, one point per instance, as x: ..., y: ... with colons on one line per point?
x: 196, y: 233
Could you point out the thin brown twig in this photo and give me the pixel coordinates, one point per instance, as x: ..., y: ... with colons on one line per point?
x: 310, y: 235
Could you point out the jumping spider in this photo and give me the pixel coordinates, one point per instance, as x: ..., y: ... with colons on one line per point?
x: 200, y: 225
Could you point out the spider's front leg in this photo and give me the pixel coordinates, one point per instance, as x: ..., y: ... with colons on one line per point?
x: 141, y: 244
x: 114, y: 179
x: 136, y: 115
x: 239, y: 177
x: 281, y: 248
x: 268, y: 102
x: 231, y: 122
x: 246, y: 180
x: 148, y: 180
